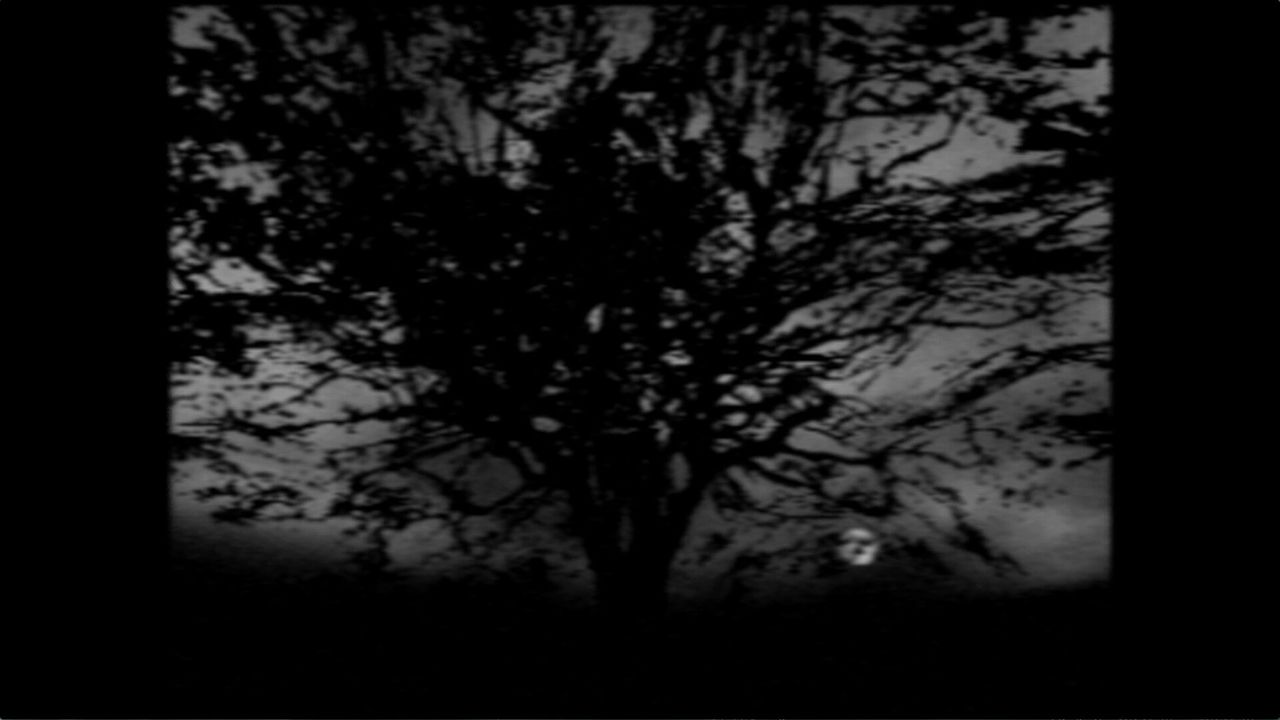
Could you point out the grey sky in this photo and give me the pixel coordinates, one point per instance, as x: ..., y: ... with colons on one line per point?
x: 1063, y: 543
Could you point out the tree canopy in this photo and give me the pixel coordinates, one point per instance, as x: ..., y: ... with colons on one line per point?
x: 643, y: 264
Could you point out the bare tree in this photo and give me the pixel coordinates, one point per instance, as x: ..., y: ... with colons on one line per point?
x: 648, y: 260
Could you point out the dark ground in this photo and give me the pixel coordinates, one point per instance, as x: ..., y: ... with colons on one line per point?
x: 481, y: 653
x: 113, y: 645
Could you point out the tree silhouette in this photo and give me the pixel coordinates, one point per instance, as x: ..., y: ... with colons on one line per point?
x: 637, y: 264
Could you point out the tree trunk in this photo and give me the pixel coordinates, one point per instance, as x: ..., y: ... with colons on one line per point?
x: 633, y: 588
x: 628, y: 536
x: 631, y: 601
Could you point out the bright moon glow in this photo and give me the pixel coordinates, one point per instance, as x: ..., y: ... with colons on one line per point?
x: 859, y: 548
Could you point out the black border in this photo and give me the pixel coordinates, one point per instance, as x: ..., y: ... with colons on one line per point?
x: 85, y: 511
x: 1196, y: 144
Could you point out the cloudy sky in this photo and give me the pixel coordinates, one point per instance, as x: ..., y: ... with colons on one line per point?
x: 1062, y: 543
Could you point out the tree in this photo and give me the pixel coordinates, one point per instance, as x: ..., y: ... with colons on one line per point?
x: 649, y: 261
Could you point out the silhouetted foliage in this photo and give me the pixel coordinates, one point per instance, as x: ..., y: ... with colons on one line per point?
x: 638, y: 271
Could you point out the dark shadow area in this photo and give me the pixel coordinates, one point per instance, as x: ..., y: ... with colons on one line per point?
x: 481, y: 652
